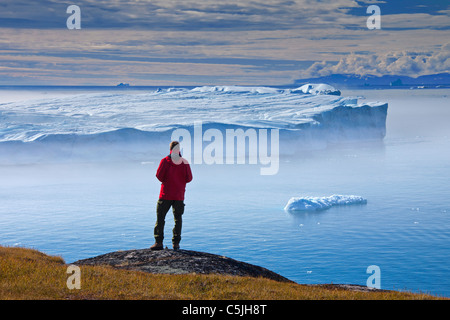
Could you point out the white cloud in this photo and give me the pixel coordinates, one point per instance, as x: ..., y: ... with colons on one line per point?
x: 181, y: 14
x: 406, y: 63
x: 235, y: 42
x: 415, y: 21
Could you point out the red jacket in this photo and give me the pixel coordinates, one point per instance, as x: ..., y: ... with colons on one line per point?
x: 174, y: 178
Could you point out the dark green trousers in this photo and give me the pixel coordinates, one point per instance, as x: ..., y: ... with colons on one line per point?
x: 162, y: 207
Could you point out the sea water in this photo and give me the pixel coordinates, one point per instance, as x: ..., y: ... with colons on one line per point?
x: 82, y: 209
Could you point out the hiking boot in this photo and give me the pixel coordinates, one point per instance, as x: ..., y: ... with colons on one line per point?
x: 157, y: 246
x: 176, y: 246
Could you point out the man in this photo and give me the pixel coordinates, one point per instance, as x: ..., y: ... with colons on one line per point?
x: 173, y: 172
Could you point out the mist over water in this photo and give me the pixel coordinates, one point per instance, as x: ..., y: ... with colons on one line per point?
x: 80, y: 209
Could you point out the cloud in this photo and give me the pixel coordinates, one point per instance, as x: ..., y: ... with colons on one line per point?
x: 405, y: 63
x: 233, y: 41
x: 221, y: 15
x: 177, y: 14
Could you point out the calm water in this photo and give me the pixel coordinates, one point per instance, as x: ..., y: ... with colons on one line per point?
x: 78, y: 211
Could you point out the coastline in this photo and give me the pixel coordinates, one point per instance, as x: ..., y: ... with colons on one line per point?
x: 169, y: 261
x: 28, y: 274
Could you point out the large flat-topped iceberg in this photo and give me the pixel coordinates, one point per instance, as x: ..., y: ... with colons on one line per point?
x: 168, y: 109
x: 135, y: 122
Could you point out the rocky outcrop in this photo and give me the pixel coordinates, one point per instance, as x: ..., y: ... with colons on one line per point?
x: 349, y: 287
x: 179, y: 262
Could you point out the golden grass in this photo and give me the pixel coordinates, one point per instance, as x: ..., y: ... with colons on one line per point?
x: 30, y: 274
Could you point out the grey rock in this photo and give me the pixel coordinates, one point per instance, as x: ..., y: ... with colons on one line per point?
x: 179, y: 262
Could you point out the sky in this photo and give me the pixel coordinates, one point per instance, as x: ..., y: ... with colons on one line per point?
x: 211, y: 42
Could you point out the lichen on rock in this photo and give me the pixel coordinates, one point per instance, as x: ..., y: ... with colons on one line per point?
x: 179, y: 262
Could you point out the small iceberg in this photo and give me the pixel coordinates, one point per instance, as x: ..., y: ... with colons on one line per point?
x: 321, y: 203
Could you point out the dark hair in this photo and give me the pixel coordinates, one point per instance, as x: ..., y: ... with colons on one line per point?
x: 173, y: 144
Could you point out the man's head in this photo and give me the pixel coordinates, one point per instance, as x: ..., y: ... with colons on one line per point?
x: 175, y: 152
x: 173, y: 144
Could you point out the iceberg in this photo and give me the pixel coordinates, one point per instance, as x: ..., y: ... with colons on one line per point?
x: 317, y: 88
x: 322, y: 203
x: 237, y: 89
x: 136, y: 126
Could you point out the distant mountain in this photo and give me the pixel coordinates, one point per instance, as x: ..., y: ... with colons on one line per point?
x: 351, y: 80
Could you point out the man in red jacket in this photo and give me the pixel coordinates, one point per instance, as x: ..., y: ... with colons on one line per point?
x: 173, y: 172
